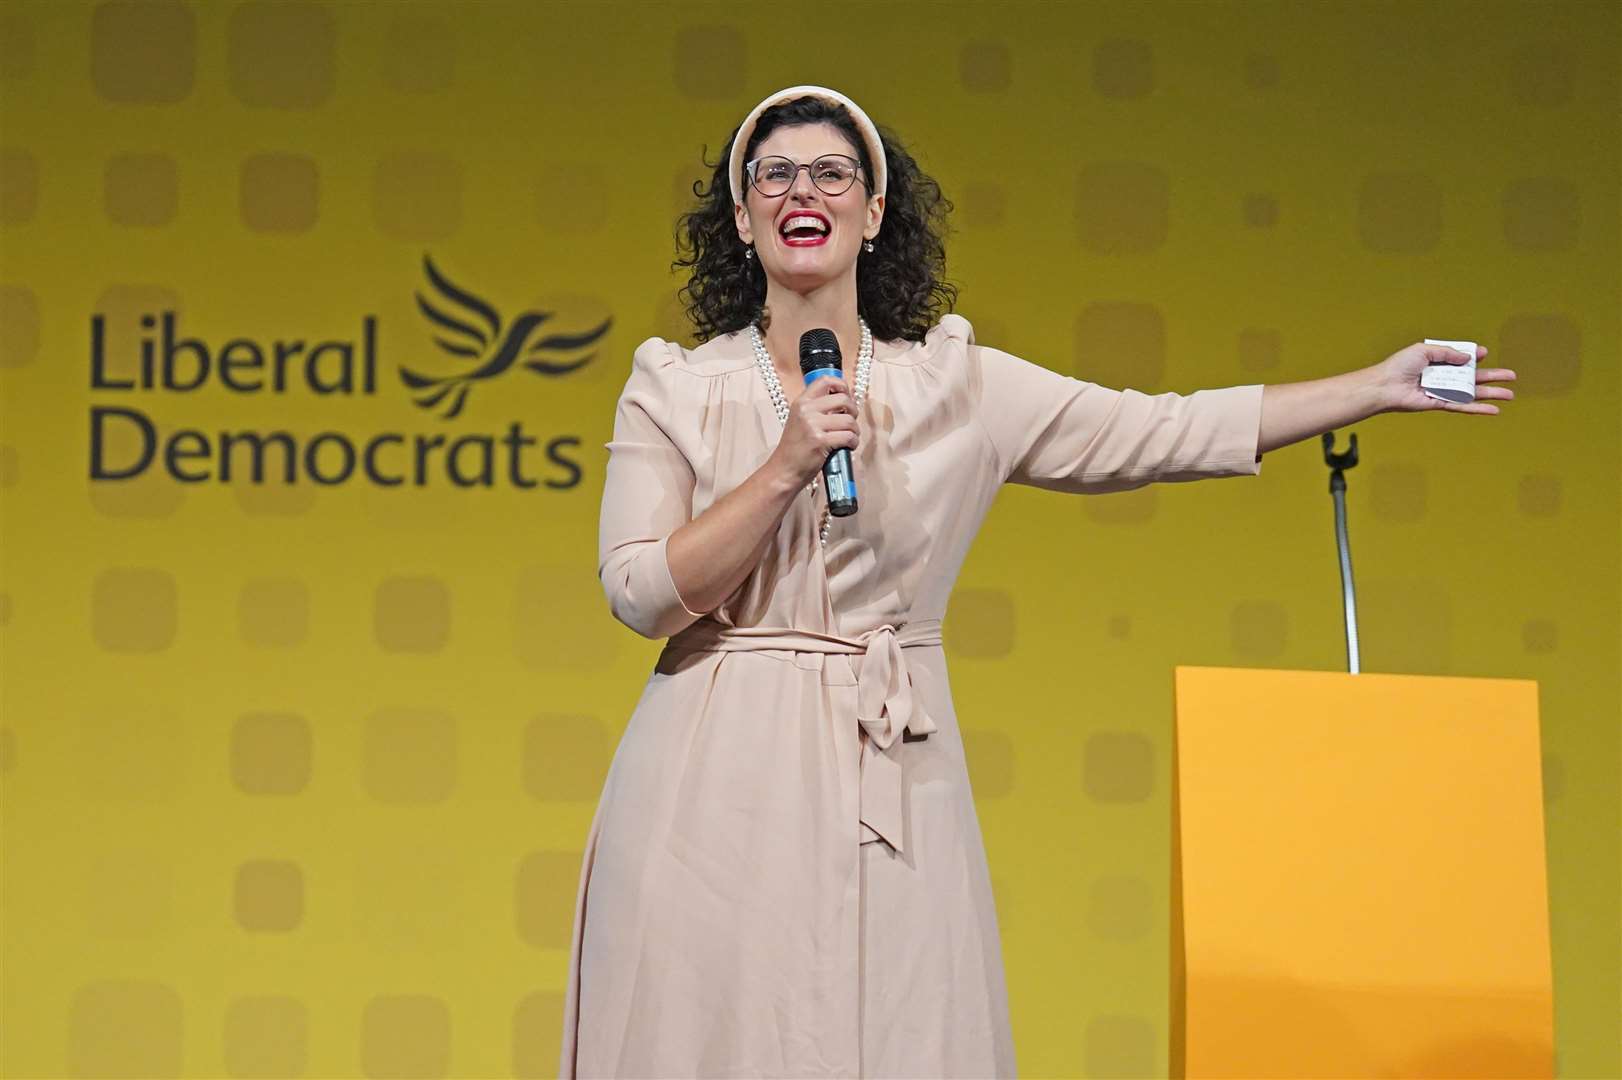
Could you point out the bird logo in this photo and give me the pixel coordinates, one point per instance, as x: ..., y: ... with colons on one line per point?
x: 470, y: 330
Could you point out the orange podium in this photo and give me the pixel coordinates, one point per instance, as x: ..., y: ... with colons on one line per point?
x: 1358, y: 883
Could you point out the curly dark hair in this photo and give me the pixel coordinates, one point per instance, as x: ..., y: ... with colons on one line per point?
x: 901, y: 288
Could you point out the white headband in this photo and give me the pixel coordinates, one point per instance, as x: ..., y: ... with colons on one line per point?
x: 875, y: 146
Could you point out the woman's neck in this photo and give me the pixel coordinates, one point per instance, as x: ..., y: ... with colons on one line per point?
x: 832, y: 307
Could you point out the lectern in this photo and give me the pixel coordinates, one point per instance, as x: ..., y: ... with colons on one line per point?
x: 1358, y: 882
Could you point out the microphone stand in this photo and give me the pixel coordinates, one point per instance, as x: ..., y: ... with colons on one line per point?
x: 1337, y: 490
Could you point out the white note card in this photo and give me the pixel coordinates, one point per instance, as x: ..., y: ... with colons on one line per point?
x: 1451, y: 382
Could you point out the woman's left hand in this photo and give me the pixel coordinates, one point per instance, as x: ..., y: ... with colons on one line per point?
x: 1397, y: 378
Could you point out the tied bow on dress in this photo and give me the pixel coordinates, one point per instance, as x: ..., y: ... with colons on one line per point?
x: 887, y: 711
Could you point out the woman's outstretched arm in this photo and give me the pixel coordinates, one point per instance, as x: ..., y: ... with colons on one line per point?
x: 1301, y: 410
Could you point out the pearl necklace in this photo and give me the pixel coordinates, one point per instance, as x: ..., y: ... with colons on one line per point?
x: 774, y: 387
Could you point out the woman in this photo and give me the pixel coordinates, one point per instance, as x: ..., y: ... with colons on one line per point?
x: 785, y: 874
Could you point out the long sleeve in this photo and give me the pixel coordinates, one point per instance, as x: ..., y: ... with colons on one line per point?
x: 1054, y: 431
x: 647, y: 495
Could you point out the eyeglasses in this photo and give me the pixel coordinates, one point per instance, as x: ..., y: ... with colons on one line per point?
x: 773, y: 176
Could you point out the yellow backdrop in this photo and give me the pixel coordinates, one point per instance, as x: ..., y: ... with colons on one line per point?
x: 297, y: 773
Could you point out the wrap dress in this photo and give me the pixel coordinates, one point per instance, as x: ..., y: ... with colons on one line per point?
x: 785, y: 875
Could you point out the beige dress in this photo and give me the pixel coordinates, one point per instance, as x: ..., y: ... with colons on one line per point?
x: 785, y: 875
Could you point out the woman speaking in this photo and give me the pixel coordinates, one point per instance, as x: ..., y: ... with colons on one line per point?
x: 785, y: 875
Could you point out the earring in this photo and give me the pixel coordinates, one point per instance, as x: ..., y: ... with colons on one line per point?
x: 867, y: 245
x: 748, y: 251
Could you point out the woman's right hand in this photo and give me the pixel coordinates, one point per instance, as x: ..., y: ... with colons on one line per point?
x: 821, y: 420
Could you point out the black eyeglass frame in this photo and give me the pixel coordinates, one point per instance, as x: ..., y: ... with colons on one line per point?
x: 856, y: 173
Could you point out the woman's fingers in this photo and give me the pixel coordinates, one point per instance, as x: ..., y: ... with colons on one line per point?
x: 831, y: 402
x: 1443, y: 354
x: 839, y: 429
x: 1497, y: 374
x: 1470, y: 407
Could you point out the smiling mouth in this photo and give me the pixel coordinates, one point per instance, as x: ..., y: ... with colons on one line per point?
x: 804, y: 230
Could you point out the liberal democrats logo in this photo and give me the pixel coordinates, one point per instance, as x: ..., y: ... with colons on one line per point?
x: 470, y: 331
x: 158, y: 360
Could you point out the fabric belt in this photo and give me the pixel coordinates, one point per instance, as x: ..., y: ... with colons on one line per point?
x: 886, y: 708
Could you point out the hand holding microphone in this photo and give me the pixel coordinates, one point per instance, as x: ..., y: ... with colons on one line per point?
x: 820, y: 360
x: 820, y: 421
x: 820, y: 431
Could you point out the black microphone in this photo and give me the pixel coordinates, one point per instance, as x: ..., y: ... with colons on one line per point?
x: 819, y: 356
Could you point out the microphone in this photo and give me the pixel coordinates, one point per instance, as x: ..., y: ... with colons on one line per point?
x: 819, y: 356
